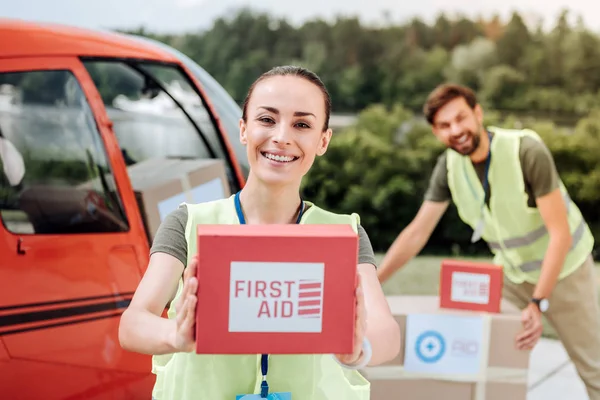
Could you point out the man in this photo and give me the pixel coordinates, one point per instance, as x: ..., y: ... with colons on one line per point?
x: 527, y: 218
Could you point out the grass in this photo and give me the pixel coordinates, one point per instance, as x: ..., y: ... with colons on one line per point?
x: 420, y: 276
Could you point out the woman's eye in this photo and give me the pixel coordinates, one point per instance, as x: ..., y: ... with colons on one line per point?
x: 302, y: 125
x: 266, y: 120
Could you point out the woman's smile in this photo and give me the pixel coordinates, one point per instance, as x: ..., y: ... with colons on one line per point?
x: 278, y: 157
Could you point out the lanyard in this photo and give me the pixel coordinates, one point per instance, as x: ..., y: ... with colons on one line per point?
x: 487, y: 170
x: 480, y: 225
x: 264, y: 361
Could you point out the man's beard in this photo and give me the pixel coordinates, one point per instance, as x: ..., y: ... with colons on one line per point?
x: 469, y: 145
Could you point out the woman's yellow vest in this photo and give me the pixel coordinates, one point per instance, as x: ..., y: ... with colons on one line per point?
x: 187, y: 376
x: 515, y: 232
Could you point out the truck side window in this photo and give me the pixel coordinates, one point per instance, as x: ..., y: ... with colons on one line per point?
x: 54, y: 173
x: 147, y: 121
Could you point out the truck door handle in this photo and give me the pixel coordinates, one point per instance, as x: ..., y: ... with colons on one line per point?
x: 20, y: 249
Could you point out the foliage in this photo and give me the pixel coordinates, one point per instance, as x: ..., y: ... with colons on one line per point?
x: 380, y: 168
x: 524, y: 76
x: 513, y: 66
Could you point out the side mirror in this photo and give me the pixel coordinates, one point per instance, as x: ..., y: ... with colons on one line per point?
x: 12, y: 162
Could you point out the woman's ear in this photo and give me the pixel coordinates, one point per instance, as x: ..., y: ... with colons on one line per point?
x: 243, y: 138
x: 324, y: 142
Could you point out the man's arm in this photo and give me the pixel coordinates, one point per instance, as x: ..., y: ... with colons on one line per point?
x: 412, y: 239
x: 554, y: 213
x: 540, y: 173
x: 553, y: 210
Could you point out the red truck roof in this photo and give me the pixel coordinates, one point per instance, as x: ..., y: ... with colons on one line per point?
x: 24, y: 38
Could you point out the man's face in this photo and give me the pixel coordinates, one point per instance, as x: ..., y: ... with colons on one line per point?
x: 459, y: 126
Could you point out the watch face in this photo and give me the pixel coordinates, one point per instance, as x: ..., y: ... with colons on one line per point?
x: 544, y: 304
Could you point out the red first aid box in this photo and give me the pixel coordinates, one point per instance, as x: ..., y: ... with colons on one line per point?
x: 276, y: 289
x: 468, y: 285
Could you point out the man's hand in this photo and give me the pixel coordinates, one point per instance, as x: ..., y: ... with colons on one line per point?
x: 532, y: 328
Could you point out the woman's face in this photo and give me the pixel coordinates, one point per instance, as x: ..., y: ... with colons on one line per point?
x: 284, y: 129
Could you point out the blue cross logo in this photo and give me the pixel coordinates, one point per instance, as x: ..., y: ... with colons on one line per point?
x: 430, y: 346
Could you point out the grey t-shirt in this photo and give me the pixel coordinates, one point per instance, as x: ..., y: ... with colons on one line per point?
x: 170, y: 239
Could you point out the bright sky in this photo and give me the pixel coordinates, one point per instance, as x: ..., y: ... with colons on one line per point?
x: 186, y: 15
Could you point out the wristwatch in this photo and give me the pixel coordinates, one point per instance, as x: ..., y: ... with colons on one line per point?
x: 542, y: 304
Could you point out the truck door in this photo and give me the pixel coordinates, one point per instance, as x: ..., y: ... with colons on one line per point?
x: 72, y: 246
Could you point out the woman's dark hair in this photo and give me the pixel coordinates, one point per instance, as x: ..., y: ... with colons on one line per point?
x: 288, y: 70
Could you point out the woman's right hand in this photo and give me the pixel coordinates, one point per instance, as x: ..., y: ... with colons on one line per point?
x: 185, y: 309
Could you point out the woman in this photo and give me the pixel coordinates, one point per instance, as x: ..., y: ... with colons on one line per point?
x: 285, y: 125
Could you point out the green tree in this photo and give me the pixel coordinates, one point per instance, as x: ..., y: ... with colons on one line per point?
x: 513, y: 44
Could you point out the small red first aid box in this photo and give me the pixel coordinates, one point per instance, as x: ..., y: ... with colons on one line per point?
x: 276, y: 289
x: 469, y: 285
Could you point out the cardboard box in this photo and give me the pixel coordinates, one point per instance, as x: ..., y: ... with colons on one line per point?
x: 501, y: 371
x: 162, y: 184
x: 277, y: 289
x: 468, y: 285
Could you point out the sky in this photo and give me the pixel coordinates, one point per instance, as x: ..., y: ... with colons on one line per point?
x: 177, y: 16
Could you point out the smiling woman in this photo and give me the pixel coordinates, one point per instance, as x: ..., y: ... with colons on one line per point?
x: 280, y: 127
x: 284, y: 127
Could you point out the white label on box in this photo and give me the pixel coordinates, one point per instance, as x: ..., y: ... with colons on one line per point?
x: 276, y: 297
x: 443, y: 344
x: 470, y: 288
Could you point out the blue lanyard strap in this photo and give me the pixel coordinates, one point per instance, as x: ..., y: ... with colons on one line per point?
x: 485, y: 175
x: 242, y: 218
x: 264, y: 360
x: 487, y: 169
x: 264, y: 367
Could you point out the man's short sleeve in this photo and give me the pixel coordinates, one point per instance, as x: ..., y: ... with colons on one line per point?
x: 438, y: 190
x: 539, y: 169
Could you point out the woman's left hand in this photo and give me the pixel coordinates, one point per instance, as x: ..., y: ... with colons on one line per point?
x: 360, y: 329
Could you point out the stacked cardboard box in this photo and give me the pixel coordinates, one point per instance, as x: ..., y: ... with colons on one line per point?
x: 469, y: 285
x: 436, y: 362
x: 161, y: 185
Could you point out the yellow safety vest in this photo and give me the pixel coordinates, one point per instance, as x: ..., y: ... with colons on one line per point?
x: 187, y: 376
x: 515, y: 232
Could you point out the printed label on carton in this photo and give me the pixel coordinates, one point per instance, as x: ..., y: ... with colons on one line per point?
x: 276, y: 297
x: 470, y: 288
x: 443, y: 344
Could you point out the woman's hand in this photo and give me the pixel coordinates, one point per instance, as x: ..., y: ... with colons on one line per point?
x: 185, y: 308
x: 360, y: 329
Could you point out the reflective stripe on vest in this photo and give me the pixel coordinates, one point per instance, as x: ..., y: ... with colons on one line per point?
x: 535, y: 235
x: 530, y: 238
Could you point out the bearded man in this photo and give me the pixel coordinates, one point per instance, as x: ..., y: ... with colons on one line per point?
x: 506, y: 187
